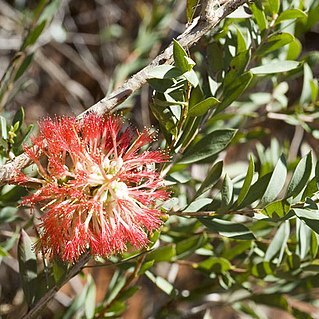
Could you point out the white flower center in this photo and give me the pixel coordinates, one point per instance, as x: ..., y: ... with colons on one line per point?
x: 120, y: 189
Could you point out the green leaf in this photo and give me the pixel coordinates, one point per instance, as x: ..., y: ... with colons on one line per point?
x: 274, y: 42
x: 209, y: 145
x: 306, y: 95
x: 277, y: 209
x: 161, y: 283
x: 216, y: 265
x: 24, y: 66
x: 226, y: 192
x: 202, y: 107
x: 76, y: 305
x: 164, y: 71
x: 259, y: 14
x: 59, y: 269
x: 18, y: 118
x: 179, y: 55
x: 279, y: 242
x: 303, y: 234
x: 227, y: 228
x: 262, y: 269
x: 276, y: 183
x: 300, y: 177
x: 34, y: 35
x: 310, y: 189
x: 146, y: 265
x: 212, y: 178
x: 290, y: 14
x: 247, y: 182
x: 256, y: 191
x: 274, y: 6
x: 241, y: 42
x: 236, y: 67
x: 191, y: 77
x: 186, y: 247
x: 233, y: 91
x: 3, y: 124
x: 163, y: 253
x: 294, y: 50
x: 196, y: 205
x: 275, y: 67
x: 271, y: 300
x: 90, y: 298
x: 27, y: 267
x: 190, y: 9
x: 310, y: 217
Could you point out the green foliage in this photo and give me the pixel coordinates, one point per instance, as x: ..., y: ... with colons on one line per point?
x: 238, y: 115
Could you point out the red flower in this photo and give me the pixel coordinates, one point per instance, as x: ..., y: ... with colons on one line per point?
x: 99, y: 188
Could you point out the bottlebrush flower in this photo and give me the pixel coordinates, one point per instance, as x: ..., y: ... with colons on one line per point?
x: 99, y: 189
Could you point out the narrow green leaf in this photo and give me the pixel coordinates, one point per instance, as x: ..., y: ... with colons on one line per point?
x: 202, y: 107
x: 163, y: 253
x: 161, y: 283
x: 279, y: 241
x: 275, y: 42
x: 234, y: 91
x: 146, y: 265
x: 59, y: 270
x: 196, y: 205
x: 24, y: 66
x: 34, y: 35
x: 294, y: 50
x: 247, y: 182
x: 226, y: 192
x: 236, y: 67
x: 209, y: 145
x: 27, y: 266
x: 277, y: 209
x: 259, y: 14
x: 216, y: 265
x: 179, y: 55
x: 262, y: 269
x: 90, y: 298
x: 18, y: 117
x: 272, y: 300
x: 310, y: 218
x: 310, y: 189
x: 275, y: 67
x: 306, y: 95
x: 76, y: 305
x: 188, y: 246
x: 300, y: 177
x: 164, y: 71
x: 276, y: 182
x: 274, y: 6
x: 290, y: 14
x: 212, y: 178
x: 241, y: 42
x: 227, y: 228
x: 190, y: 9
x: 314, y: 245
x: 303, y: 234
x: 191, y: 77
x: 3, y: 124
x: 256, y: 191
